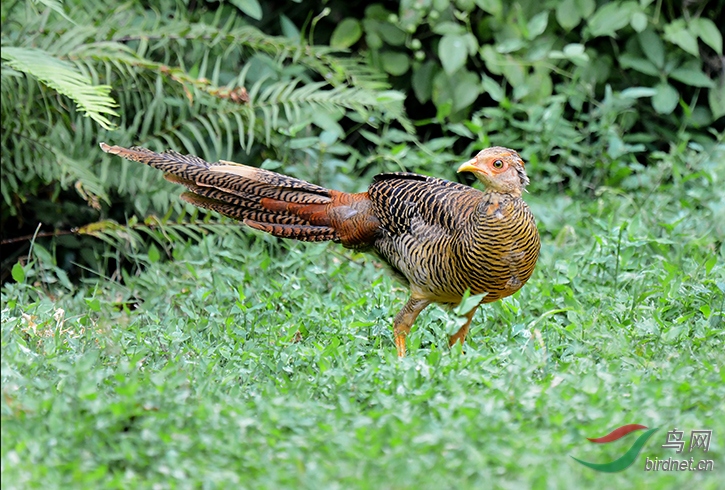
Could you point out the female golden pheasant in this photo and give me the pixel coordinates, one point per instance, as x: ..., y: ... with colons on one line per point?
x: 443, y: 238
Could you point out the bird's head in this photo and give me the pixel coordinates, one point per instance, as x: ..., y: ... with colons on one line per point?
x: 499, y: 169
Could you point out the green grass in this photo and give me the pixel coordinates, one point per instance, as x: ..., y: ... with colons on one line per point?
x: 251, y: 363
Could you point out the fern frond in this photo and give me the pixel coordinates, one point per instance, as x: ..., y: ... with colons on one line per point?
x: 56, y: 7
x: 64, y: 78
x: 129, y: 237
x: 200, y: 83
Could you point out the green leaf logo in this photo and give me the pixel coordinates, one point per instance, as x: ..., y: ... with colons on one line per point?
x: 626, y: 460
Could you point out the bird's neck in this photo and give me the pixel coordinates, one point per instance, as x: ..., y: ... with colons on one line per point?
x: 497, y: 204
x: 491, y: 196
x: 509, y: 193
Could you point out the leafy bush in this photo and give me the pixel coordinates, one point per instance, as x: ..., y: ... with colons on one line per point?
x: 578, y: 87
x: 200, y: 81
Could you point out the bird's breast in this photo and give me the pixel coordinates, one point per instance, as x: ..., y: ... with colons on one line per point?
x: 500, y: 250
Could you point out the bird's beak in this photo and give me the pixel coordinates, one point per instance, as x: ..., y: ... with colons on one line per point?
x: 469, y: 166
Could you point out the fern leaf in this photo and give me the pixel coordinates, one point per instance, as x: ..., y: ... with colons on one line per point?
x: 64, y: 78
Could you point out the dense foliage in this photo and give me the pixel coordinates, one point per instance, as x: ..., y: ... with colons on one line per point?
x: 147, y: 344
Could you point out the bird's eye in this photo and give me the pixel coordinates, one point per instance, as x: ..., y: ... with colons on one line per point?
x: 498, y: 164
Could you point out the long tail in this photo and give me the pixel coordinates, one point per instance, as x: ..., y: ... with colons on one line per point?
x: 274, y: 203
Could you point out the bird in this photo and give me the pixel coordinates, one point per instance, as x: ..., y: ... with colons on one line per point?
x: 442, y: 238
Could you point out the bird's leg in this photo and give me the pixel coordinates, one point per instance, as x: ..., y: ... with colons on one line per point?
x: 404, y: 320
x: 463, y: 331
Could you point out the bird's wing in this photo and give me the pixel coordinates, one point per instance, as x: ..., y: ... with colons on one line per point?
x: 402, y: 200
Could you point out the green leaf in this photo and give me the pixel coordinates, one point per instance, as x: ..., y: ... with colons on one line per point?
x: 691, y: 74
x: 289, y: 29
x: 153, y: 254
x: 392, y: 34
x: 390, y: 95
x: 708, y: 32
x: 492, y: 88
x: 677, y: 33
x: 652, y: 46
x: 640, y: 64
x: 471, y: 43
x: 638, y: 21
x: 574, y: 52
x: 609, y: 19
x: 674, y: 333
x: 18, y: 272
x: 296, y: 144
x: 514, y: 72
x: 448, y: 27
x: 567, y: 14
x: 666, y: 98
x: 467, y: 90
x: 395, y: 63
x: 422, y: 81
x: 537, y: 25
x: 638, y: 92
x: 493, y: 7
x: 716, y: 98
x: 94, y: 304
x: 461, y: 130
x: 493, y: 60
x: 75, y: 170
x: 443, y: 106
x: 455, y: 93
x: 511, y: 45
x: 585, y: 7
x: 347, y: 33
x: 468, y: 302
x: 373, y: 39
x: 328, y: 122
x: 64, y: 78
x: 710, y: 263
x: 249, y: 7
x: 57, y: 6
x: 574, y: 49
x: 453, y: 52
x: 539, y: 86
x: 64, y: 279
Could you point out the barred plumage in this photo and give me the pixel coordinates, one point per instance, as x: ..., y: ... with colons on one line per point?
x: 441, y: 237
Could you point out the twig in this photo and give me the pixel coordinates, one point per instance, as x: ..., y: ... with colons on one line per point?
x: 44, y: 234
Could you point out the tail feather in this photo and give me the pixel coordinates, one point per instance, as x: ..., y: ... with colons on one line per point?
x: 240, y: 213
x: 239, y: 200
x: 274, y: 203
x: 273, y: 179
x: 230, y: 176
x: 316, y: 214
x: 307, y: 233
